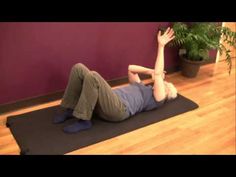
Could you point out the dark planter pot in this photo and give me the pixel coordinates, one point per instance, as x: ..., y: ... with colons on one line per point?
x: 190, y: 68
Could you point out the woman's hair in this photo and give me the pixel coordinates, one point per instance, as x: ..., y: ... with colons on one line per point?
x: 170, y: 90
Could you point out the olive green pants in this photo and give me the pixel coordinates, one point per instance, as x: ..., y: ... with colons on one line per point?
x: 87, y: 92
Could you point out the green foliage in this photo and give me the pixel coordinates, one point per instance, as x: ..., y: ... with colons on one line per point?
x: 198, y: 38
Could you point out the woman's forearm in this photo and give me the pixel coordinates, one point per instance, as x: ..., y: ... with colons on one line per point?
x: 140, y: 69
x: 159, y: 65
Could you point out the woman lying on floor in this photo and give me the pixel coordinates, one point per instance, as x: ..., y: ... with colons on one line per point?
x: 88, y: 92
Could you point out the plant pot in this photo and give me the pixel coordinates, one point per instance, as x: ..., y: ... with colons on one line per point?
x: 190, y: 68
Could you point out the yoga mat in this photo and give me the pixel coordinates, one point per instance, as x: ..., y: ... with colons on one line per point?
x: 36, y: 134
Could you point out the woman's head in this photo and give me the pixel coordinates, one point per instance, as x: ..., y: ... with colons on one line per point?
x: 170, y: 89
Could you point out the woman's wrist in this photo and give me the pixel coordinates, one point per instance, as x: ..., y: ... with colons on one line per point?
x: 161, y: 46
x: 150, y: 72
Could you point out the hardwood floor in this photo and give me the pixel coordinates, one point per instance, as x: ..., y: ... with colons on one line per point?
x: 210, y: 129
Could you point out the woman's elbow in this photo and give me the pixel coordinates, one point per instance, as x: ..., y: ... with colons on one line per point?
x: 129, y: 67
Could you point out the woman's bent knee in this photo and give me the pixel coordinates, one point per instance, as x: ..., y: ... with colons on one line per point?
x: 95, y: 73
x: 78, y: 66
x: 81, y: 69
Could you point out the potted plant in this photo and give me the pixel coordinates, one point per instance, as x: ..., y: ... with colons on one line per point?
x: 196, y: 39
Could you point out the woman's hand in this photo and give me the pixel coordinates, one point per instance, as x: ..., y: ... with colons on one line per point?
x: 166, y: 37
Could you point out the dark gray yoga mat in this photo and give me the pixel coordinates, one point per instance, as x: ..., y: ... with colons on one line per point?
x: 35, y: 133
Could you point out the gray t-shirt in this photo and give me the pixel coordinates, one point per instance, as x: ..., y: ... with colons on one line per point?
x: 138, y: 97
